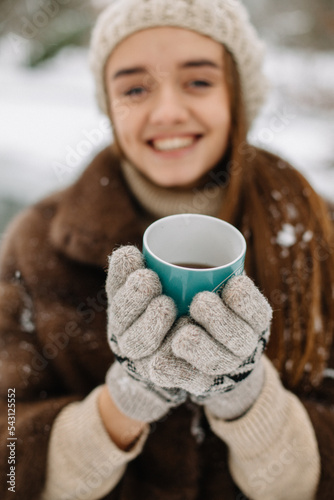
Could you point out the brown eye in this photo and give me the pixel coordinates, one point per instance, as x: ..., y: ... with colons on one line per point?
x: 200, y: 83
x: 135, y: 92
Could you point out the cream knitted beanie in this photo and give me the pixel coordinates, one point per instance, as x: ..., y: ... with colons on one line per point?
x: 225, y: 21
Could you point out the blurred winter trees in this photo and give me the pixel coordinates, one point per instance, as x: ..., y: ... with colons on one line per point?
x: 49, y: 25
x: 295, y: 23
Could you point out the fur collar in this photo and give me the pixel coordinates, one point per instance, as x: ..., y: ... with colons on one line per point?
x: 96, y: 213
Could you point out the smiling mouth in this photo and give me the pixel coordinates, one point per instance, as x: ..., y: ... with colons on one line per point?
x: 173, y: 143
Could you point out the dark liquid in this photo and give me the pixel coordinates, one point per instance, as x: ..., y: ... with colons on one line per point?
x: 194, y: 266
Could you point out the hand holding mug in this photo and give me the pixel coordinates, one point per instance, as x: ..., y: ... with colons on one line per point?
x: 139, y: 318
x: 215, y: 354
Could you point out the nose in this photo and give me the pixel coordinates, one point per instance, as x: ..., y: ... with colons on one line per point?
x: 168, y: 107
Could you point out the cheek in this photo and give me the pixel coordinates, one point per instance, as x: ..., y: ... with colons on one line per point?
x: 221, y: 117
x: 127, y: 123
x: 122, y: 127
x: 219, y: 124
x: 119, y: 109
x: 222, y: 134
x: 216, y: 115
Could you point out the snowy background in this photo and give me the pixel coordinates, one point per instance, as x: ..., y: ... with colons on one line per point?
x: 50, y: 126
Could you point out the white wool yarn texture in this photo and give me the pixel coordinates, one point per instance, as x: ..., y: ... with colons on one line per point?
x: 225, y: 21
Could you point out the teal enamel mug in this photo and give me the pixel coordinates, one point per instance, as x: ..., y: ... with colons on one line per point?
x: 193, y: 253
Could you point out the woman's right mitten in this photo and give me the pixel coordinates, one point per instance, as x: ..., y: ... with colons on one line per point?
x: 139, y: 318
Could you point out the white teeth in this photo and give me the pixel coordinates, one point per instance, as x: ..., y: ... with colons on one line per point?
x: 174, y: 143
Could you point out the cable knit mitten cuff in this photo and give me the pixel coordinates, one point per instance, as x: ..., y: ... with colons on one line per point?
x: 235, y: 403
x: 136, y: 399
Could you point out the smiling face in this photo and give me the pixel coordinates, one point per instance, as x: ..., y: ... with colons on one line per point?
x: 169, y: 104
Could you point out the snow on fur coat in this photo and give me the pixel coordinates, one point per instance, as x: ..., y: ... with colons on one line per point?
x: 54, y: 348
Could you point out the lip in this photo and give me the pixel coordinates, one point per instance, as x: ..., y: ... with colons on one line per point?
x: 177, y: 153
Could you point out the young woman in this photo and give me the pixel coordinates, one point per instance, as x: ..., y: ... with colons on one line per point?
x: 144, y: 406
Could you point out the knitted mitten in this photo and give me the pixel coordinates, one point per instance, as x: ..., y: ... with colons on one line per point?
x: 221, y: 346
x: 139, y: 317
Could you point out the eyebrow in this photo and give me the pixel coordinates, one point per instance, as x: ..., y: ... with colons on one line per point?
x: 188, y: 64
x: 129, y: 71
x: 199, y: 63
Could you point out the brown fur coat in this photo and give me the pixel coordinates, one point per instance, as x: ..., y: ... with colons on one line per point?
x: 54, y: 348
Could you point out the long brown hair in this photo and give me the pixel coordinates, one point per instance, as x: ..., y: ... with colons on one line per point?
x: 290, y: 251
x: 269, y: 201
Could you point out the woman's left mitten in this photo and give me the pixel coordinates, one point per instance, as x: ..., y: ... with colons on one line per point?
x: 225, y: 343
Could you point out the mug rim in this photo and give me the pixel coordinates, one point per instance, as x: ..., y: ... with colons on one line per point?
x: 165, y: 262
